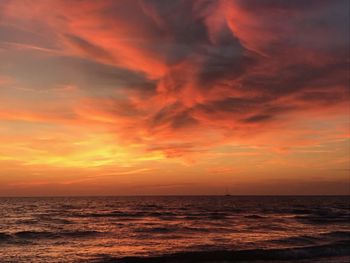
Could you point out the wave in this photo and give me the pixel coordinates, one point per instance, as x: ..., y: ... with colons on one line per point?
x: 137, y: 214
x: 157, y: 230
x: 254, y: 216
x: 4, y: 237
x: 322, y: 220
x: 178, y: 229
x: 158, y: 214
x: 324, y: 216
x: 304, y: 240
x: 109, y: 214
x: 338, y: 249
x: 49, y: 218
x: 37, y: 235
x: 81, y: 234
x: 338, y: 234
x: 297, y: 240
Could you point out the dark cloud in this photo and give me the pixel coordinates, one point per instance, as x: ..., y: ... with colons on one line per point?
x: 167, y: 15
x: 231, y: 105
x: 257, y: 118
x: 183, y: 119
x: 88, y: 48
x: 255, y: 5
x: 222, y: 63
x: 89, y: 75
x: 298, y: 78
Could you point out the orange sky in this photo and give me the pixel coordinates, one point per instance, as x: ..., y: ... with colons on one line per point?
x: 174, y: 97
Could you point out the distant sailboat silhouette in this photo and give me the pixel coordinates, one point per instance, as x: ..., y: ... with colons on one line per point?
x: 227, y: 193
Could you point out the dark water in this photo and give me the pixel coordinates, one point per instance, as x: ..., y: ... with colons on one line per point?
x: 174, y: 229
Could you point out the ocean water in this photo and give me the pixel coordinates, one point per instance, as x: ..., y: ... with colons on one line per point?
x: 175, y: 229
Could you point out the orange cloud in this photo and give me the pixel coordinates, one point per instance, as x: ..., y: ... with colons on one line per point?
x: 174, y: 79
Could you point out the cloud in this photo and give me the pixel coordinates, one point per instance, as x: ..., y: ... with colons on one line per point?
x: 88, y: 49
x: 183, y: 75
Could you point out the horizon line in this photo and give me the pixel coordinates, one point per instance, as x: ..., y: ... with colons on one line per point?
x: 203, y: 195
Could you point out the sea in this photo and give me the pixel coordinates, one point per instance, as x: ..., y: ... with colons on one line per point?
x: 175, y: 229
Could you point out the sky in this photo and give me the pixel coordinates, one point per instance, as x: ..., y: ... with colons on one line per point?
x: 174, y: 97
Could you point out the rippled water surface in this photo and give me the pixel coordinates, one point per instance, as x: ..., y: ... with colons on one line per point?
x: 83, y: 229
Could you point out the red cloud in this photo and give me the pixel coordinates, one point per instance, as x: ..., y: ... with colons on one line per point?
x: 210, y: 69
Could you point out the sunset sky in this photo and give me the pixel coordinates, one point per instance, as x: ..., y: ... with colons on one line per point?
x: 138, y: 97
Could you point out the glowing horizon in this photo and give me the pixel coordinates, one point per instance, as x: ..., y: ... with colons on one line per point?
x: 174, y: 97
